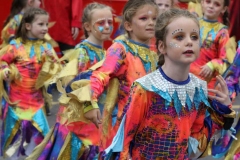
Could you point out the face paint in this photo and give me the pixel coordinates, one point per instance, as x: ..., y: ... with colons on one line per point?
x: 173, y: 45
x: 100, y: 28
x: 176, y: 31
x: 149, y: 12
x: 100, y: 24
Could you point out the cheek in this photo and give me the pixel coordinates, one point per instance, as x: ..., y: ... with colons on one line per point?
x: 173, y: 45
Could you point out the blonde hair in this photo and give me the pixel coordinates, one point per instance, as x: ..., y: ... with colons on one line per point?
x: 87, y: 13
x: 28, y: 17
x: 163, y: 21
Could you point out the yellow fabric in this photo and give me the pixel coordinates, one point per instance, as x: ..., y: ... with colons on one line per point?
x: 230, y: 52
x: 210, y: 65
x: 195, y: 7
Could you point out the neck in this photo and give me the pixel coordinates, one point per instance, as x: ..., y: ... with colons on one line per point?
x: 93, y: 40
x: 210, y: 19
x: 176, y: 72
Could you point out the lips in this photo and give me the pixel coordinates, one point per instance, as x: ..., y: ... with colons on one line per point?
x: 188, y: 52
x: 150, y: 29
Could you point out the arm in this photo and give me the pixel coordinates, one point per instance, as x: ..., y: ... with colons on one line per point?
x: 9, y: 30
x: 216, y: 64
x: 111, y: 67
x: 135, y: 110
x: 83, y: 60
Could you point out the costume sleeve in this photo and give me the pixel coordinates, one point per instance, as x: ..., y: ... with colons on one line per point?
x: 83, y: 60
x: 76, y: 13
x: 222, y: 39
x: 209, y: 120
x: 9, y: 30
x: 9, y: 56
x: 111, y: 67
x: 135, y: 110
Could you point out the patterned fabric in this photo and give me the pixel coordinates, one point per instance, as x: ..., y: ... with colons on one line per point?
x: 27, y: 116
x: 76, y: 139
x: 127, y: 61
x: 151, y: 102
x: 10, y: 29
x: 214, y: 37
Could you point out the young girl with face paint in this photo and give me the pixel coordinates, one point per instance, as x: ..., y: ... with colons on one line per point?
x: 71, y: 138
x: 165, y: 113
x: 214, y: 36
x: 13, y: 21
x: 126, y: 60
x: 24, y: 121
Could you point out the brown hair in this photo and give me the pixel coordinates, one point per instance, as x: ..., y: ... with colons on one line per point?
x: 132, y: 6
x: 28, y: 17
x: 163, y: 21
x: 87, y: 13
x: 225, y: 16
x: 17, y: 6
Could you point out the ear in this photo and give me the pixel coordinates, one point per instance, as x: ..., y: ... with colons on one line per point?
x: 224, y: 9
x: 161, y: 47
x: 28, y: 26
x: 128, y: 26
x: 87, y: 26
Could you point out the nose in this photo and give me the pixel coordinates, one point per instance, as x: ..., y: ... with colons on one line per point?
x: 45, y: 27
x: 189, y: 41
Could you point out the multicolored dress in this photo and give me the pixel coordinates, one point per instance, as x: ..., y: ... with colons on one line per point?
x: 167, y: 119
x: 214, y: 36
x: 71, y: 138
x: 24, y: 123
x: 126, y: 61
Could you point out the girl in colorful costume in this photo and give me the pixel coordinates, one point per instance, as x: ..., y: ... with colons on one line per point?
x: 126, y: 60
x: 14, y: 19
x: 71, y: 138
x: 165, y: 117
x: 214, y: 36
x: 24, y: 122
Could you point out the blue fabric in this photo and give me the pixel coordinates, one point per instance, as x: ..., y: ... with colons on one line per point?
x: 76, y: 144
x: 192, y: 145
x: 42, y: 122
x: 220, y: 108
x: 82, y: 75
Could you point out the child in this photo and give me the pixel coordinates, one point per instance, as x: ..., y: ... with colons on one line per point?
x: 164, y: 5
x: 24, y: 121
x: 214, y: 36
x: 126, y: 60
x: 70, y: 138
x: 13, y: 21
x: 164, y: 116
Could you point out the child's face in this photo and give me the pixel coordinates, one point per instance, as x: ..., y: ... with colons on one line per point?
x: 182, y: 42
x: 101, y: 25
x: 35, y: 3
x: 38, y: 28
x: 142, y: 26
x: 213, y: 8
x: 164, y: 5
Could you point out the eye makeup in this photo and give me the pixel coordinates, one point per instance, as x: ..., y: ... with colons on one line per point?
x: 176, y: 31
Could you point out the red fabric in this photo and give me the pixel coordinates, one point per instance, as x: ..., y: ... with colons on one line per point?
x: 66, y: 14
x: 234, y: 19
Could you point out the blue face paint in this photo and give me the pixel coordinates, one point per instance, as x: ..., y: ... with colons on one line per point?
x: 101, y: 28
x: 110, y: 28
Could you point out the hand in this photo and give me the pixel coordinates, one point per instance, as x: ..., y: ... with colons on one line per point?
x: 94, y: 115
x: 75, y: 32
x: 6, y: 74
x: 206, y: 71
x: 50, y: 55
x: 221, y: 95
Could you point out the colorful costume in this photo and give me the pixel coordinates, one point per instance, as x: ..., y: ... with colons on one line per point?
x: 70, y: 138
x: 166, y: 119
x: 214, y: 37
x: 126, y: 61
x: 24, y: 121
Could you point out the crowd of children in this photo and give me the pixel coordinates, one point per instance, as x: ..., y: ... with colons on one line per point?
x: 126, y: 102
